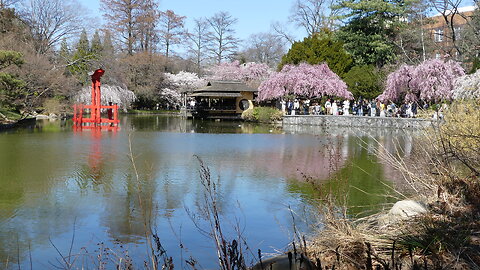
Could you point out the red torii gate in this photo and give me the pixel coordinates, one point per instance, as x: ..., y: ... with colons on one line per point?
x: 95, y: 119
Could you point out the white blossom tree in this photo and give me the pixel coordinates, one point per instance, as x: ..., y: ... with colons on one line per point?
x: 467, y: 87
x: 184, y: 81
x: 170, y: 98
x: 176, y: 84
x: 110, y: 93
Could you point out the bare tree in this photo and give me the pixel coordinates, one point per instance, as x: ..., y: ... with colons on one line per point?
x: 470, y: 42
x: 198, y: 42
x: 7, y: 3
x: 411, y: 39
x: 282, y: 32
x: 51, y: 21
x: 171, y: 29
x: 448, y: 9
x: 224, y: 42
x: 147, y: 21
x: 122, y: 17
x: 264, y: 48
x: 312, y: 15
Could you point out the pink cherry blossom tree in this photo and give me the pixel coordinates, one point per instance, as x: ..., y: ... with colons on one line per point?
x: 303, y: 80
x: 432, y: 80
x: 234, y: 71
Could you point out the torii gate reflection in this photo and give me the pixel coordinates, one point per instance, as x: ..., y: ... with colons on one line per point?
x: 96, y: 157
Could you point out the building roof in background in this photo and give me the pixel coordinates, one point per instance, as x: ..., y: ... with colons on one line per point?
x: 459, y: 10
x: 226, y: 86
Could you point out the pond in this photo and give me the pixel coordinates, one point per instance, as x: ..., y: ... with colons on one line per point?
x: 75, y: 192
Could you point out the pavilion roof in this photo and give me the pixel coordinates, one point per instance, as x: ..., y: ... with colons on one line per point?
x: 226, y: 86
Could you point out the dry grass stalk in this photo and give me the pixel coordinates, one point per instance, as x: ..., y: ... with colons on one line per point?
x: 445, y: 176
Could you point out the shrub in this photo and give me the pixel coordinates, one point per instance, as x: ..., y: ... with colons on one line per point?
x: 54, y: 105
x: 262, y: 114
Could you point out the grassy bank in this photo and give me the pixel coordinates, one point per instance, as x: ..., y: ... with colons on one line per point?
x: 445, y: 177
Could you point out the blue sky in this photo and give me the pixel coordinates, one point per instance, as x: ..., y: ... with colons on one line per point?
x: 253, y: 16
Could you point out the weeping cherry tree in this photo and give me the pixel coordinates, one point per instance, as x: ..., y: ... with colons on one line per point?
x: 115, y: 94
x: 431, y: 81
x: 304, y: 80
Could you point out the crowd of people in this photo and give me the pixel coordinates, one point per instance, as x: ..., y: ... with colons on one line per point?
x: 360, y: 107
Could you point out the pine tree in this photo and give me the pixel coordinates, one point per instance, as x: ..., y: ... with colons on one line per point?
x: 96, y: 47
x: 371, y: 29
x: 108, y: 48
x: 82, y: 58
x: 65, y: 51
x: 11, y: 88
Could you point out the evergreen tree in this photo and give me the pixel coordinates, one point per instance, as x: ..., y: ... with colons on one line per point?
x: 318, y: 49
x: 65, y: 52
x: 96, y: 46
x: 81, y: 60
x: 364, y: 81
x: 108, y: 49
x: 371, y: 29
x: 475, y: 65
x: 11, y: 88
x: 82, y: 46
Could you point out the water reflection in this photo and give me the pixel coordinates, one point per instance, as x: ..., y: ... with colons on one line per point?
x: 51, y: 177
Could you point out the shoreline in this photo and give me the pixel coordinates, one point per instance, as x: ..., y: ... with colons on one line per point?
x: 7, y: 126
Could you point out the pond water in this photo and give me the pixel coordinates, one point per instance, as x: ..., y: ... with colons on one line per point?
x: 63, y: 190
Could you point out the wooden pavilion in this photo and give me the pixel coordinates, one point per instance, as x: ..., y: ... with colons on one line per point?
x: 221, y: 100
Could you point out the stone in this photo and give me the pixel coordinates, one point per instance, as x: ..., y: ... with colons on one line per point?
x: 356, y: 121
x: 402, y: 210
x: 41, y: 116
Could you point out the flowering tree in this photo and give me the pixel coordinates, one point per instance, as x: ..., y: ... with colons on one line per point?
x: 432, y: 80
x: 467, y: 87
x: 304, y: 80
x: 170, y: 97
x: 174, y: 84
x: 110, y: 93
x: 184, y: 81
x: 235, y: 71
